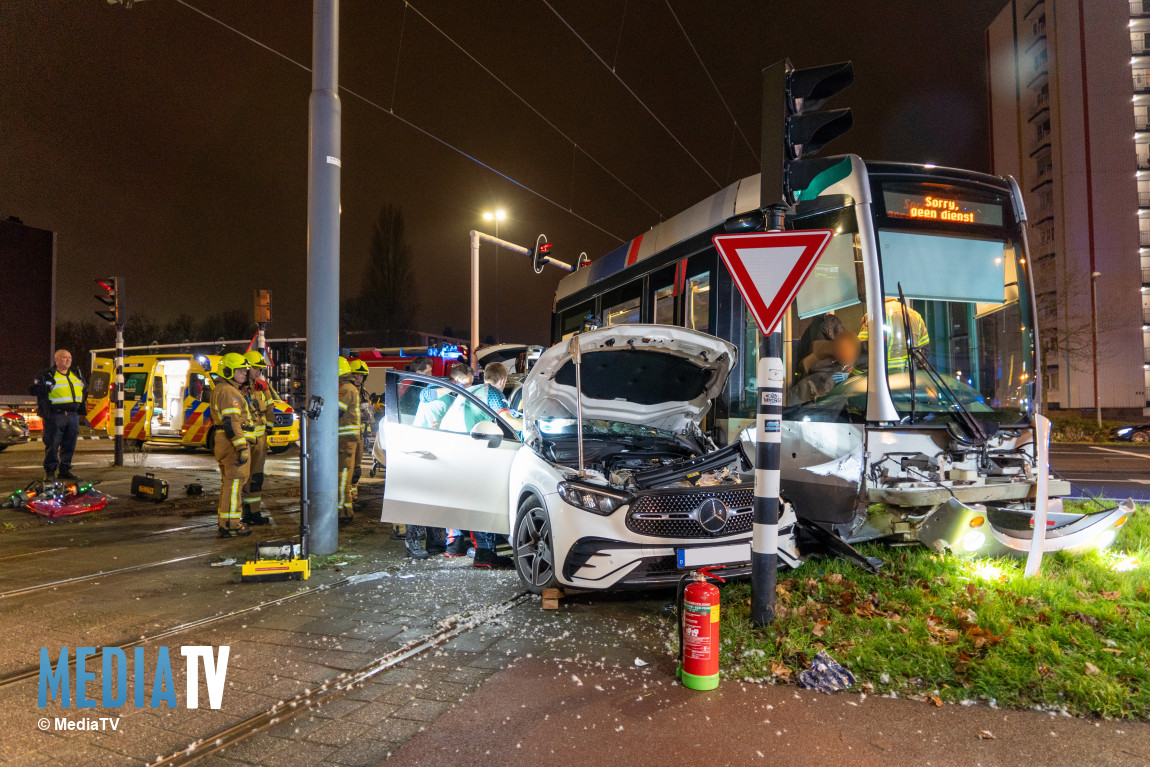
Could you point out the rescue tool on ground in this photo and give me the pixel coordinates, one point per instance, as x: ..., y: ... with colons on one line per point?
x: 287, y: 560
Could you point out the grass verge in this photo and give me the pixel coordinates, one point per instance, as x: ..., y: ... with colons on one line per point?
x: 933, y: 627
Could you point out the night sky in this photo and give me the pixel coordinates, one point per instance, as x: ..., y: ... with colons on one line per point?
x: 167, y: 149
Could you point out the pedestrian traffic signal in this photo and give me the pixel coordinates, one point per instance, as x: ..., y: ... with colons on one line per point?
x: 110, y: 298
x: 794, y: 129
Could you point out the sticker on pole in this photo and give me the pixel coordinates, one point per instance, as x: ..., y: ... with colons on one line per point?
x: 770, y: 267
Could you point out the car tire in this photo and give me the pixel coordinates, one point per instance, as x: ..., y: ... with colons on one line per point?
x: 278, y: 449
x: 532, y: 547
x: 1142, y: 435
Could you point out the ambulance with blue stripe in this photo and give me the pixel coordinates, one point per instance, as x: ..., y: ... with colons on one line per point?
x: 167, y: 399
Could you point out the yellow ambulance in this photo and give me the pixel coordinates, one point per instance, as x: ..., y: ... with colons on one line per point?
x: 166, y: 399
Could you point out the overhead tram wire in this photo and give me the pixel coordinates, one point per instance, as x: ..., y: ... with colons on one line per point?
x: 405, y: 121
x: 527, y: 104
x: 633, y: 94
x: 714, y: 85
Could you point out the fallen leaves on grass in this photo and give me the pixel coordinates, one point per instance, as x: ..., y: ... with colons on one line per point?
x: 937, y: 701
x: 1092, y: 670
x: 780, y: 670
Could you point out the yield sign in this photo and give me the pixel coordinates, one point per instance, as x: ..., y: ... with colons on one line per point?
x: 770, y: 267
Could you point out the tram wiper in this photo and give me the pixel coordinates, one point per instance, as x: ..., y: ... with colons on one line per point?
x: 974, y: 432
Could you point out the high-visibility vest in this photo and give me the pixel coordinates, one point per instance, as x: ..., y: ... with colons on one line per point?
x: 67, y: 389
x: 897, y: 353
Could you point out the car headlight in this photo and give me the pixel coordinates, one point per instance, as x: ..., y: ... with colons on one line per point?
x: 1124, y: 432
x: 594, y: 499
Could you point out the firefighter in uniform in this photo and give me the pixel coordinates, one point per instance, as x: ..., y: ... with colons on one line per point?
x: 359, y: 373
x: 348, y: 437
x: 230, y: 445
x: 263, y: 416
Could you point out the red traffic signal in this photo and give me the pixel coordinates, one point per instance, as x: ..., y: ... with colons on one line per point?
x: 110, y: 299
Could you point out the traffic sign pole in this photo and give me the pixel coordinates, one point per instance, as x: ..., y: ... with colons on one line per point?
x: 769, y: 268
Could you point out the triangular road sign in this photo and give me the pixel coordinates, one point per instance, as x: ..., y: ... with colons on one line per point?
x: 770, y: 267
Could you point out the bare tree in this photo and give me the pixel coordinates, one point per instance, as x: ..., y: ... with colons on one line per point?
x: 386, y: 303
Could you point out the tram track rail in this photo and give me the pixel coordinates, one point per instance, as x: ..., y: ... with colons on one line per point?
x: 33, y: 672
x: 101, y: 574
x: 310, y: 698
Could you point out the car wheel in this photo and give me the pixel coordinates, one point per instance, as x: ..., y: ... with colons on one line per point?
x: 1142, y: 435
x: 278, y: 449
x: 533, y: 550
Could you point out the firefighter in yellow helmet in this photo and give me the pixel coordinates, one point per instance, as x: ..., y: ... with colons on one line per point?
x: 348, y: 437
x: 262, y: 408
x: 359, y: 373
x: 229, y: 411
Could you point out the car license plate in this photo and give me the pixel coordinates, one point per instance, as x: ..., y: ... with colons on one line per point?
x: 708, y: 556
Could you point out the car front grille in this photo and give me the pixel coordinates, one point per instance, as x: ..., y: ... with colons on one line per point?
x: 672, y: 515
x: 283, y: 420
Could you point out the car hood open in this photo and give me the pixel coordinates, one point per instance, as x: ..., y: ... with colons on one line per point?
x: 658, y: 376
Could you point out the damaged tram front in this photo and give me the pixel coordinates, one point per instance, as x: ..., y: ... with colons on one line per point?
x: 911, y: 352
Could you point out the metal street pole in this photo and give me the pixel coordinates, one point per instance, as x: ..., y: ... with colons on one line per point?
x: 118, y: 455
x: 323, y: 272
x: 1094, y: 325
x: 768, y: 465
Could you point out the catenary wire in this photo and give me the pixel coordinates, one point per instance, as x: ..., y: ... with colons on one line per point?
x: 714, y: 85
x: 406, y: 122
x: 633, y: 94
x: 527, y: 104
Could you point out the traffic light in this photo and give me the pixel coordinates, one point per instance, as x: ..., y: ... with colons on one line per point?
x: 263, y: 304
x: 541, y: 253
x: 111, y: 298
x: 794, y: 129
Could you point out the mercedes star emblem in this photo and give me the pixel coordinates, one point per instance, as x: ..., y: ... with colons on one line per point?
x: 712, y: 515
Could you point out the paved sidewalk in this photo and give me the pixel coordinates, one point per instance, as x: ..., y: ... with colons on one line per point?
x: 562, y: 713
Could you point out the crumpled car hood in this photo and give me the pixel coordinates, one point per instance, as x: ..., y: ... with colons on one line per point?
x: 658, y: 376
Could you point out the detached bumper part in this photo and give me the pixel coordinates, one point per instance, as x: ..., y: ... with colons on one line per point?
x: 978, y: 531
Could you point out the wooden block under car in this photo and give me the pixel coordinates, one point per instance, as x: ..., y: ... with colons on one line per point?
x: 551, y: 598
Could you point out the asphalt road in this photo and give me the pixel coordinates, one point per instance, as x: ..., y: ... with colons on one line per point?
x: 1116, y: 470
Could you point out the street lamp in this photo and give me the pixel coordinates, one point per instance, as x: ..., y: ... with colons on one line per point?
x: 1094, y: 324
x: 497, y: 215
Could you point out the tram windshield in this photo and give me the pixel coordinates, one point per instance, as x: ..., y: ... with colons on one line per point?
x: 958, y: 257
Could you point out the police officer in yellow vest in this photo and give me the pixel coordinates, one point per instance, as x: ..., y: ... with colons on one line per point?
x: 232, y: 441
x: 59, y: 394
x: 348, y: 437
x: 260, y: 401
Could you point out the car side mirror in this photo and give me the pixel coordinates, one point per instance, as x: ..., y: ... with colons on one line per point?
x: 488, y: 430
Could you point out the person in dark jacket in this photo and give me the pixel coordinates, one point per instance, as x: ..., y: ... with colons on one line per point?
x: 59, y: 392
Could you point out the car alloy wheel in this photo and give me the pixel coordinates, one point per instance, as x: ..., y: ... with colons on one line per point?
x: 1142, y: 435
x: 533, y: 549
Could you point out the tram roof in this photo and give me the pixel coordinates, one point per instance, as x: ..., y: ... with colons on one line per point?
x: 737, y: 199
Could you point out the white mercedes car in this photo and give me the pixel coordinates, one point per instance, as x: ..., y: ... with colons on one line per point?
x: 645, y: 496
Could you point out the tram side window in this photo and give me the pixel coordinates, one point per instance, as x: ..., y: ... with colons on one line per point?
x: 698, y: 302
x: 662, y: 295
x: 574, y: 319
x: 621, y: 307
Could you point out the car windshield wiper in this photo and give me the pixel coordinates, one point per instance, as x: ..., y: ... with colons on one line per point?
x: 973, y: 430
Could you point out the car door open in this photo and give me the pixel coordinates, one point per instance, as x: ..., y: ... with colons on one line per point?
x: 444, y: 478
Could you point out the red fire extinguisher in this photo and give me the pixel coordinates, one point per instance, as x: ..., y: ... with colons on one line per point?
x: 698, y: 612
